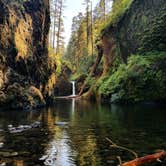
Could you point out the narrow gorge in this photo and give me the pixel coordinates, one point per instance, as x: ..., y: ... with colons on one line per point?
x: 82, y: 83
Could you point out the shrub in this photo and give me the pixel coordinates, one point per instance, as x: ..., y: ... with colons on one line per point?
x: 142, y: 78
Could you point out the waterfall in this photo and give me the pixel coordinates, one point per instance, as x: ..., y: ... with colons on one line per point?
x: 73, y: 88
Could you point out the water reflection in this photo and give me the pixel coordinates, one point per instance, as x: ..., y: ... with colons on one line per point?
x: 73, y: 105
x: 82, y: 140
x: 18, y: 162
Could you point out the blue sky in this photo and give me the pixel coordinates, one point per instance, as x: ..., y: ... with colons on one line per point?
x: 73, y: 7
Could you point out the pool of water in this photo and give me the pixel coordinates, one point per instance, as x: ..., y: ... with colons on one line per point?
x: 77, y: 132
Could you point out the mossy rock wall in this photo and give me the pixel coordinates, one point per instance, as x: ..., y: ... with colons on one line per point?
x: 140, y: 29
x: 24, y: 61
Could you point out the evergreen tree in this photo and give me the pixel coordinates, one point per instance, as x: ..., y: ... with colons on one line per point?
x: 56, y: 40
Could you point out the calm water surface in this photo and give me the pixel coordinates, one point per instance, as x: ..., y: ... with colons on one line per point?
x: 74, y: 133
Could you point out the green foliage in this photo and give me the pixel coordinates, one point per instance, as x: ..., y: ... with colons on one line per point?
x: 154, y: 38
x: 142, y: 78
x: 55, y: 60
x: 67, y: 64
x: 78, y: 76
x: 85, y: 63
x: 90, y: 81
x: 81, y: 49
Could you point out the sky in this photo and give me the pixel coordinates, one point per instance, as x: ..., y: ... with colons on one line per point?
x: 73, y: 7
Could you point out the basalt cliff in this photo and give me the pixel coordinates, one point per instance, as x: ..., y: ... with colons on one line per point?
x: 134, y: 53
x: 26, y: 71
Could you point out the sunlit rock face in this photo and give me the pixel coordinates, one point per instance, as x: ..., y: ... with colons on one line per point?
x: 24, y: 61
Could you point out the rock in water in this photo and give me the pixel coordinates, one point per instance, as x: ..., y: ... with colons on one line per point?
x: 22, y: 128
x: 61, y: 123
x: 36, y: 124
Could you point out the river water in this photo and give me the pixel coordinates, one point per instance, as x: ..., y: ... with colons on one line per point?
x: 76, y: 133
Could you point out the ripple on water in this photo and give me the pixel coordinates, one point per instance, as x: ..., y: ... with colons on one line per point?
x: 50, y: 155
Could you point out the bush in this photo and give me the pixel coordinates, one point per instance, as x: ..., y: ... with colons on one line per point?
x: 85, y: 63
x: 142, y: 78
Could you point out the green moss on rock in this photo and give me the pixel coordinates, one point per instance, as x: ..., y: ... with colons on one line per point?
x: 135, y: 28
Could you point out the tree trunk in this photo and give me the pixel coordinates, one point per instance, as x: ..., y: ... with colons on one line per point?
x: 92, y: 28
x: 54, y: 29
x: 98, y: 59
x: 59, y: 27
x: 94, y: 68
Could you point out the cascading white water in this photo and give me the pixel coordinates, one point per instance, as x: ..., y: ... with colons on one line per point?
x: 73, y: 88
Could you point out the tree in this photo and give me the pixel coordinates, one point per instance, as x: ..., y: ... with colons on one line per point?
x: 103, y: 7
x: 77, y: 40
x: 87, y: 3
x: 60, y: 30
x: 92, y: 28
x: 85, y: 31
x: 57, y: 27
x: 55, y: 21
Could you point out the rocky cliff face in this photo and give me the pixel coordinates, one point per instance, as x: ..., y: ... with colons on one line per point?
x: 134, y: 53
x: 25, y: 68
x: 140, y: 29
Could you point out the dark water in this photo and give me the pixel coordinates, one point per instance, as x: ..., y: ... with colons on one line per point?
x: 74, y: 133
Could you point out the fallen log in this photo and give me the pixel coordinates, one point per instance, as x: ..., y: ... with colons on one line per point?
x: 146, y: 159
x: 67, y: 97
x: 138, y: 161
